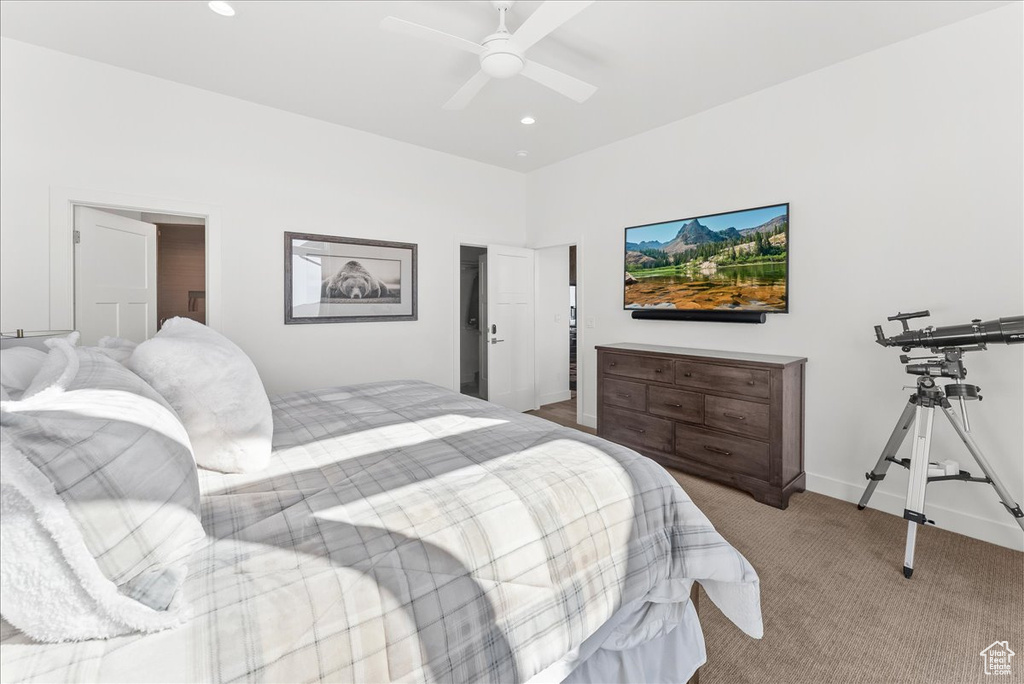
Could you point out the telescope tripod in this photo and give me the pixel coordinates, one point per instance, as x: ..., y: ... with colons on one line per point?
x: 920, y: 412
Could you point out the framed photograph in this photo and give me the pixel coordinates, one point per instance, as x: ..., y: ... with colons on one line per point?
x: 330, y: 279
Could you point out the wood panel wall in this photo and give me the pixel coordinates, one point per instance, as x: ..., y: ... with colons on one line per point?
x: 180, y: 270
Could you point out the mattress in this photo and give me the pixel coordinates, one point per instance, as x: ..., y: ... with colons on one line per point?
x: 406, y: 532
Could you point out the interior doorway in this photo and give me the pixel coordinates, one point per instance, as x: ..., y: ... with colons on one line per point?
x: 473, y: 321
x: 503, y: 304
x: 556, y: 326
x: 181, y: 271
x: 557, y: 345
x: 133, y: 270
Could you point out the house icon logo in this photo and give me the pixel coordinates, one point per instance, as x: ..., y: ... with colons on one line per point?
x: 997, y: 658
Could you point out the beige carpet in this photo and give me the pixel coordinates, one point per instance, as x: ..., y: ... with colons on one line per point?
x: 837, y: 607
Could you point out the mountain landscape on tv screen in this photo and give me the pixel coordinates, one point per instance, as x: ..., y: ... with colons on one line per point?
x: 704, y: 269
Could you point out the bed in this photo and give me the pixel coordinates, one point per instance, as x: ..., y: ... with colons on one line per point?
x: 403, y: 532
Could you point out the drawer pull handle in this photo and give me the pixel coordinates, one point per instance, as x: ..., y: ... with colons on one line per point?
x: 750, y: 382
x: 624, y: 395
x: 633, y: 429
x: 657, y: 370
x: 733, y: 415
x: 717, y: 450
x: 675, y: 405
x: 687, y: 375
x: 612, y: 363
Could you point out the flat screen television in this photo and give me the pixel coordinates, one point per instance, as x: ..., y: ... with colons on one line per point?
x: 734, y: 261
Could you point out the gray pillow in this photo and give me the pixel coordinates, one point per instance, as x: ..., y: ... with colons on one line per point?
x: 18, y: 365
x: 119, y: 461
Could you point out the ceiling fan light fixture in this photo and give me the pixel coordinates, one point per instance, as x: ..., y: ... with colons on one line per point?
x: 222, y: 8
x: 527, y: 121
x: 522, y: 153
x: 501, y: 53
x: 501, y: 64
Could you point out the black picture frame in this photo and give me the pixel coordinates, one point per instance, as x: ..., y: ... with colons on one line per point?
x: 339, y: 301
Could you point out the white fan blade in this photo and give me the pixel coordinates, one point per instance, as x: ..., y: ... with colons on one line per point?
x: 407, y: 27
x: 468, y: 91
x: 572, y: 88
x: 548, y: 17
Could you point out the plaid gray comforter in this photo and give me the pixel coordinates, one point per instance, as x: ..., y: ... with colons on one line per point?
x: 404, y: 533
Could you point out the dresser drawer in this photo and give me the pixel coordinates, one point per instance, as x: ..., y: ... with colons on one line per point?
x: 631, y: 395
x: 732, y: 379
x: 673, y: 403
x: 738, y: 416
x: 736, y: 454
x: 639, y: 367
x: 637, y: 430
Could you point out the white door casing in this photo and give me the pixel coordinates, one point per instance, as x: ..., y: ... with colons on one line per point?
x: 510, y: 331
x: 115, y: 276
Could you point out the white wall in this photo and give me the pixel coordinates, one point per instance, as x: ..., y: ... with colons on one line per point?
x: 66, y: 122
x: 905, y: 172
x: 552, y: 327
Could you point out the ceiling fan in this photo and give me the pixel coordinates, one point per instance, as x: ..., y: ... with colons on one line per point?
x: 501, y: 53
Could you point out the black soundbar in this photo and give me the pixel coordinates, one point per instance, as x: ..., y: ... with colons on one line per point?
x: 716, y: 316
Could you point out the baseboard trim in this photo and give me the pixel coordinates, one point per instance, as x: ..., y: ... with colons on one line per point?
x: 995, y: 532
x: 590, y: 420
x: 553, y: 398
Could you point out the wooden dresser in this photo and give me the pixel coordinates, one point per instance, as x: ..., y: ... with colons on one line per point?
x: 732, y: 417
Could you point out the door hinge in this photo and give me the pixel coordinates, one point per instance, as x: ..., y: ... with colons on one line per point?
x: 78, y: 236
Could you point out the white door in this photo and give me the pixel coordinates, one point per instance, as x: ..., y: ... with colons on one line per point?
x: 510, y: 353
x: 115, y: 276
x: 485, y: 338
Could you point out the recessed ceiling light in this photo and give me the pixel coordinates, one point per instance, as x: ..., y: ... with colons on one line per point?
x: 222, y: 8
x: 521, y: 153
x: 528, y: 121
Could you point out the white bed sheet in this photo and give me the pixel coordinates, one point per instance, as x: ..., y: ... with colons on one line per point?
x: 671, y: 651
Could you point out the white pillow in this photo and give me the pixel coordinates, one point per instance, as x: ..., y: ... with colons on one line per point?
x: 18, y: 365
x: 216, y: 391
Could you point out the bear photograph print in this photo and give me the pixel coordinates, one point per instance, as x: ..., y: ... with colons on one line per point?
x: 366, y: 279
x: 329, y: 279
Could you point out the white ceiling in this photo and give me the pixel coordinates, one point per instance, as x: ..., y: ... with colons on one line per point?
x: 654, y: 62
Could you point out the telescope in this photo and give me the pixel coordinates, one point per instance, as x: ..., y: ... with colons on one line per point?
x: 976, y: 335
x: 947, y: 344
